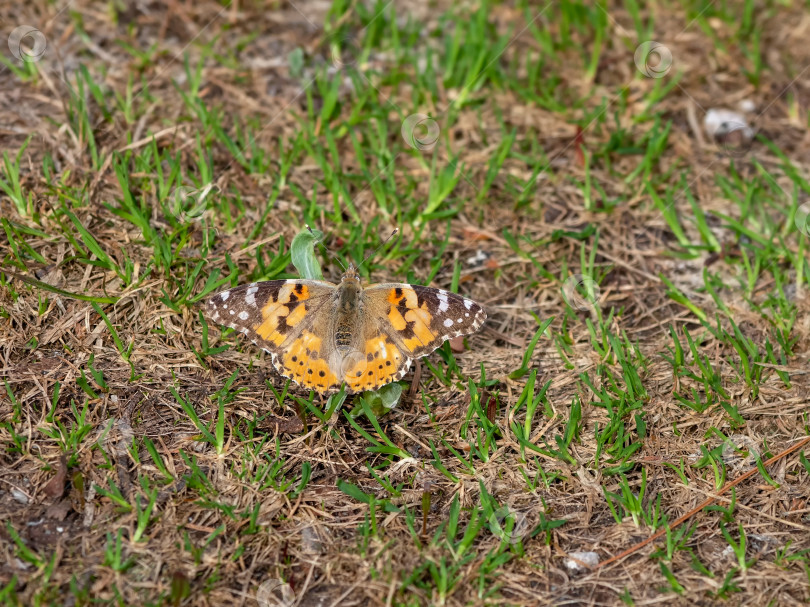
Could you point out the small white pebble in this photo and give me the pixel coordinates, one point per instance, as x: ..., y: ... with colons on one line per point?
x: 747, y: 106
x: 720, y: 122
x: 586, y: 560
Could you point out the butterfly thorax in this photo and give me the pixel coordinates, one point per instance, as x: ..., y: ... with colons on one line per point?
x: 348, y: 310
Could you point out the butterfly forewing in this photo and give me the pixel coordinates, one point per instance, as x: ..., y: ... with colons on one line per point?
x: 269, y: 312
x: 423, y: 318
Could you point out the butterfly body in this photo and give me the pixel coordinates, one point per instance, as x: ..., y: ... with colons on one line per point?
x: 321, y: 334
x: 349, y: 294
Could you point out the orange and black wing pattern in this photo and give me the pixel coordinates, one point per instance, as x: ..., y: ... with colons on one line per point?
x: 410, y: 321
x: 287, y: 318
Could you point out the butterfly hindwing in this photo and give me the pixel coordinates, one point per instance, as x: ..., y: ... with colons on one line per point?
x: 379, y: 361
x: 423, y: 318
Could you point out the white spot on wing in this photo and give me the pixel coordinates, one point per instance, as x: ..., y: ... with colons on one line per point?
x: 225, y: 295
x: 250, y: 295
x: 243, y: 315
x: 468, y: 303
x: 448, y: 322
x: 443, y: 303
x: 232, y: 312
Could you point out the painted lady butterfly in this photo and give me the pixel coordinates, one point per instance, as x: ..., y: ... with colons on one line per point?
x: 322, y: 335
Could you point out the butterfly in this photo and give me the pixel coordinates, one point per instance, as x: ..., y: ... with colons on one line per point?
x: 322, y: 335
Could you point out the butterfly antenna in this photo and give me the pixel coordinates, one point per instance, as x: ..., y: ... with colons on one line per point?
x: 381, y: 245
x: 323, y: 246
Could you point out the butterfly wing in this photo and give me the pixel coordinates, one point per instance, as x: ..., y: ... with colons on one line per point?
x: 420, y: 319
x: 378, y: 357
x: 288, y: 319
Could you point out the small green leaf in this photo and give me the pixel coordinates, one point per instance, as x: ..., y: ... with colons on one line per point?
x: 379, y: 401
x: 384, y: 399
x: 334, y: 403
x: 296, y: 61
x: 354, y: 492
x: 302, y: 252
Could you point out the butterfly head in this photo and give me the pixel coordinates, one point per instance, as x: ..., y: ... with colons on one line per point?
x: 350, y: 275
